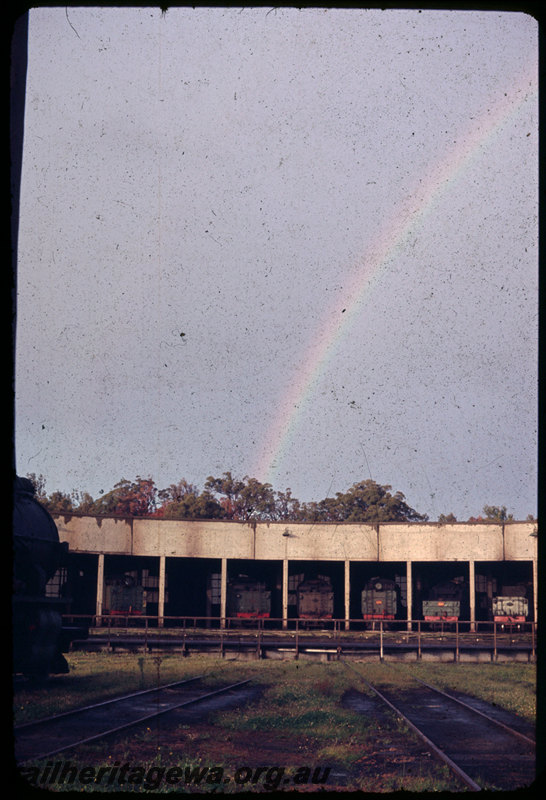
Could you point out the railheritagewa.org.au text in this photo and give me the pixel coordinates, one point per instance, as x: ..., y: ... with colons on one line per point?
x: 65, y: 773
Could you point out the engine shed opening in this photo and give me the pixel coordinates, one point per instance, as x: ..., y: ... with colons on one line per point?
x: 261, y: 588
x: 190, y: 588
x: 330, y: 574
x: 80, y: 576
x: 494, y: 579
x: 443, y: 582
x: 130, y: 586
x: 361, y: 572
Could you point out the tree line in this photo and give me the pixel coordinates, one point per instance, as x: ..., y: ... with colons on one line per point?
x: 244, y: 500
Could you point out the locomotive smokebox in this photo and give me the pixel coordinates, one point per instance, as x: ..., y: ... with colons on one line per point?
x: 37, y: 555
x: 37, y: 550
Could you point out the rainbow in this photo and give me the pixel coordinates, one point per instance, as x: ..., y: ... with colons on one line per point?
x: 338, y: 321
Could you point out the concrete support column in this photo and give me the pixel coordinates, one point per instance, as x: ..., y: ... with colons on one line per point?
x: 161, y: 599
x: 285, y: 593
x: 223, y: 593
x: 347, y: 593
x: 409, y: 591
x: 472, y: 593
x: 100, y: 587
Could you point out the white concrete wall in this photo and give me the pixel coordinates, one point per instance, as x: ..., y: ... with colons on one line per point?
x: 95, y: 534
x: 300, y: 541
x: 520, y: 541
x: 457, y: 542
x: 192, y: 539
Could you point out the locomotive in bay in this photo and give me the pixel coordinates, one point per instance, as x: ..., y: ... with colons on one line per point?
x: 123, y: 596
x: 379, y: 600
x: 444, y: 602
x: 248, y: 598
x: 315, y: 599
x: 511, y: 607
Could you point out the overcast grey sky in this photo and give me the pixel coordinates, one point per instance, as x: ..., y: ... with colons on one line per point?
x: 299, y: 245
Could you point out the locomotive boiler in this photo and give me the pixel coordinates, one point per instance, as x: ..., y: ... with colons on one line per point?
x: 315, y: 599
x: 39, y: 638
x: 248, y: 598
x: 379, y: 599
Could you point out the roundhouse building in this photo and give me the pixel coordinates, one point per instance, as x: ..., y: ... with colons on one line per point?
x: 184, y: 566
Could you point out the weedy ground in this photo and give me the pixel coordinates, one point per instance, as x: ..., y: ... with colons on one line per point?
x: 304, y: 716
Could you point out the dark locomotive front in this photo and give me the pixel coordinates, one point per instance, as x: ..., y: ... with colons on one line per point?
x: 315, y: 599
x: 123, y: 596
x: 39, y: 638
x: 379, y: 599
x: 248, y: 599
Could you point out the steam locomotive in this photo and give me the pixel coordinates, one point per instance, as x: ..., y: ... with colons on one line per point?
x: 123, y: 596
x: 444, y: 602
x: 315, y: 599
x: 379, y: 600
x: 511, y: 608
x: 39, y: 638
x: 248, y: 598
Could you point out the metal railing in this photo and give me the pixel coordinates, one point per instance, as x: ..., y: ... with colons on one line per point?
x: 338, y: 635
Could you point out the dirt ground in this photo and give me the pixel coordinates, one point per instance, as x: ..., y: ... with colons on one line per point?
x: 370, y: 767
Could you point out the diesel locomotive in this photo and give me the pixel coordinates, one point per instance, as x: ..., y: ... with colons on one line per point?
x: 39, y: 637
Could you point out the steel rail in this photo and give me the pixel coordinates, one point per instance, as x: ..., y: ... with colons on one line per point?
x: 126, y: 726
x: 75, y: 711
x: 507, y: 728
x: 460, y: 773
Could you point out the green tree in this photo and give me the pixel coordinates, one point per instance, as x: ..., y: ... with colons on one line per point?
x: 328, y: 510
x: 287, y: 507
x: 499, y: 514
x: 366, y: 501
x: 445, y: 519
x: 83, y: 502
x: 129, y: 498
x: 177, y: 492
x: 39, y: 483
x: 243, y: 499
x: 493, y: 514
x: 229, y: 488
x: 58, y: 503
x: 258, y: 500
x: 193, y: 506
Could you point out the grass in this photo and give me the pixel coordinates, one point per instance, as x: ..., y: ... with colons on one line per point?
x: 299, y: 718
x: 303, y: 704
x: 511, y: 687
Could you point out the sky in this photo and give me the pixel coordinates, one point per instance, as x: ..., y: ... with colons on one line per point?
x: 298, y: 245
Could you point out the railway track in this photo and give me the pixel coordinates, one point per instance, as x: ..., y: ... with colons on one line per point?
x: 62, y: 732
x: 481, y: 750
